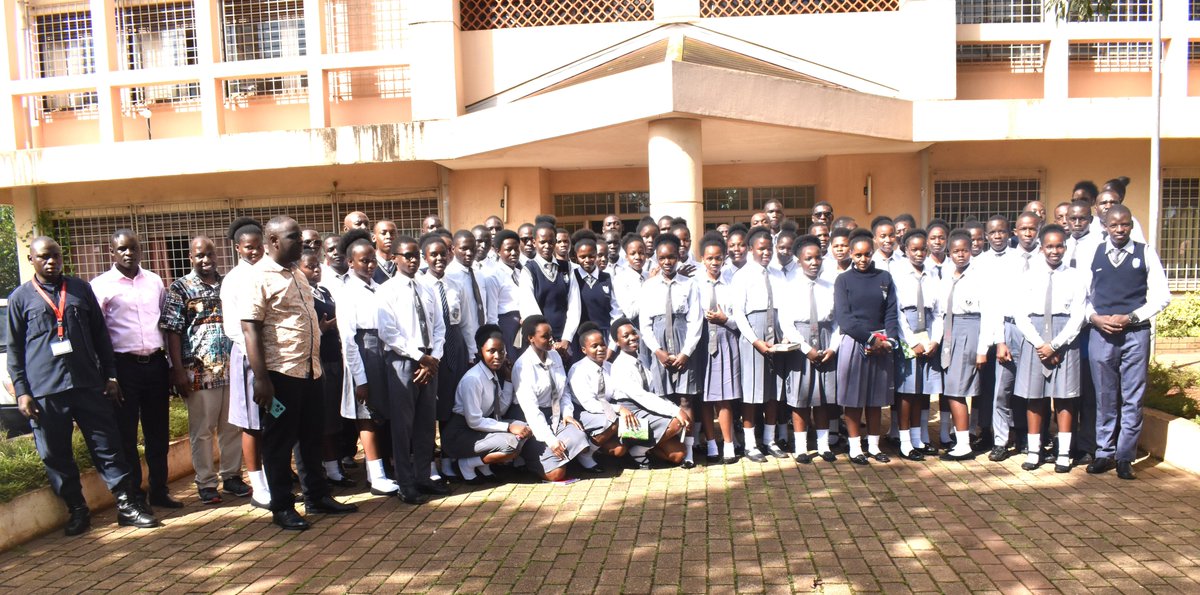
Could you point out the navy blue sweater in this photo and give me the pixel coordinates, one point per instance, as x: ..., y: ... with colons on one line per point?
x: 864, y: 302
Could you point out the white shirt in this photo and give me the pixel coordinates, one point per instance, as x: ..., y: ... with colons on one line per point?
x: 1135, y: 231
x: 1080, y: 251
x: 751, y: 294
x: 794, y: 312
x: 474, y: 400
x: 530, y: 305
x: 399, y: 327
x: 459, y: 316
x: 583, y: 382
x: 686, y: 303
x: 1069, y: 297
x: 726, y: 297
x: 970, y: 293
x: 504, y: 282
x: 787, y: 272
x: 907, y: 279
x: 358, y: 308
x: 487, y: 292
x: 628, y: 387
x: 627, y: 285
x: 1003, y: 271
x: 331, y: 280
x: 1158, y: 294
x: 940, y: 271
x: 234, y: 289
x: 532, y: 383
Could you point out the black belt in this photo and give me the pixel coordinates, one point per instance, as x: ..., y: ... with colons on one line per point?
x: 141, y: 359
x: 425, y: 350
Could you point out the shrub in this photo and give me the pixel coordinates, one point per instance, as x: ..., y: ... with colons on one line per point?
x: 1181, y: 318
x: 1166, y: 390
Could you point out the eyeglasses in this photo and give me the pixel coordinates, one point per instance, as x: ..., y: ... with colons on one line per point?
x: 409, y: 255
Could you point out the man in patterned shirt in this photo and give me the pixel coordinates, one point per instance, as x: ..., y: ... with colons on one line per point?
x: 199, y: 352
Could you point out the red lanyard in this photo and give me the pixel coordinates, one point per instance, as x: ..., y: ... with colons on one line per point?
x: 62, y: 304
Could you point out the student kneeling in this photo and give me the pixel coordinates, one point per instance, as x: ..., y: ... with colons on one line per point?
x: 540, y: 383
x: 663, y: 419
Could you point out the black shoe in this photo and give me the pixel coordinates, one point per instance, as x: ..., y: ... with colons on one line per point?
x: 860, y: 460
x: 1030, y: 466
x: 1084, y: 459
x: 344, y: 482
x: 234, y: 486
x: 433, y: 489
x: 349, y: 463
x: 327, y: 505
x: 164, y: 500
x: 289, y: 520
x: 803, y: 458
x: 913, y: 455
x: 713, y: 459
x: 882, y: 457
x: 686, y: 464
x: 209, y: 496
x: 998, y: 454
x: 1062, y: 468
x: 130, y: 513
x: 828, y: 456
x: 79, y: 521
x: 776, y: 452
x: 410, y: 495
x: 892, y: 442
x: 1125, y: 470
x: 757, y: 456
x: 1101, y: 465
x: 729, y: 460
x: 928, y: 450
x: 946, y: 456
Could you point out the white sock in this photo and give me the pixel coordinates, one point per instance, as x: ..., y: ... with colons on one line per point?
x: 855, y: 446
x: 447, y: 466
x: 822, y: 441
x: 1064, y: 448
x: 1035, y: 449
x: 906, y: 444
x: 768, y: 435
x: 894, y: 429
x: 258, y: 483
x: 467, y: 467
x: 730, y: 450
x: 585, y: 458
x: 800, y: 442
x: 433, y: 472
x: 712, y: 448
x: 964, y: 443
x: 914, y: 435
x: 375, y: 470
x: 750, y: 444
x: 873, y: 444
x: 332, y: 470
x: 688, y: 450
x: 924, y: 427
x: 485, y: 469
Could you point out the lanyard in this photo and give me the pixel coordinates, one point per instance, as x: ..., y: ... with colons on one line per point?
x: 62, y: 304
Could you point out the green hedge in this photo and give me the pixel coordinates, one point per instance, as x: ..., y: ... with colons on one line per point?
x: 1167, y: 388
x: 1181, y: 318
x: 21, y: 468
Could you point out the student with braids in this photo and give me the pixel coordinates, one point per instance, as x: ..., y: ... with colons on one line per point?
x: 719, y: 361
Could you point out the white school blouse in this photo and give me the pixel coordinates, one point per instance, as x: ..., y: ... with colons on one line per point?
x: 751, y: 294
x: 531, y: 384
x: 399, y: 327
x: 796, y: 310
x: 358, y: 308
x: 686, y: 303
x: 583, y: 382
x: 1068, y: 298
x: 627, y: 383
x: 473, y: 400
x: 906, y: 278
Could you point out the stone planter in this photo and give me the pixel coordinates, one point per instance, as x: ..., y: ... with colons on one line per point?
x: 1172, y: 439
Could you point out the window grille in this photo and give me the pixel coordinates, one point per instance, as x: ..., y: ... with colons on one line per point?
x: 794, y: 198
x: 64, y: 48
x: 405, y: 209
x: 755, y: 8
x: 166, y: 233
x: 479, y: 15
x: 1177, y: 244
x: 157, y: 36
x: 1018, y: 57
x: 85, y: 237
x: 309, y: 211
x: 263, y: 29
x: 584, y: 205
x: 1195, y: 11
x: 382, y: 83
x: 955, y: 201
x: 726, y: 199
x: 1114, y: 56
x: 1125, y: 11
x: 633, y: 203
x: 1193, y: 51
x: 364, y: 25
x: 974, y: 12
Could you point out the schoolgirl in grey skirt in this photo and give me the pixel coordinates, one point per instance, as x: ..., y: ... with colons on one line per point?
x: 1049, y: 313
x: 757, y: 318
x: 918, y: 374
x: 664, y: 419
x: 864, y: 300
x: 961, y: 352
x: 717, y: 359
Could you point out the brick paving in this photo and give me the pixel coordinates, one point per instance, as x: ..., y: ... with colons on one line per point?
x: 777, y: 527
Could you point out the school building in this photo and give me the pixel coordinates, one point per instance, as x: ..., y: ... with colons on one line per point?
x: 173, y: 116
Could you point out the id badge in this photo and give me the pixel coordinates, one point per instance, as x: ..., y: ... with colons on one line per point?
x: 277, y: 408
x: 60, y: 348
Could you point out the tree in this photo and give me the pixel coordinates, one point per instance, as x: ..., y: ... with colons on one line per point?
x: 1079, y: 10
x: 10, y: 274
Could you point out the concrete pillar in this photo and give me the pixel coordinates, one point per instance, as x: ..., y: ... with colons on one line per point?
x: 25, y: 212
x: 209, y: 45
x: 436, y: 70
x: 11, y: 137
x: 318, y: 84
x: 677, y: 172
x: 104, y: 44
x: 1056, y: 69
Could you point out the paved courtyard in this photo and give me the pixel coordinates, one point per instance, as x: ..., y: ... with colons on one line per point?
x: 775, y: 527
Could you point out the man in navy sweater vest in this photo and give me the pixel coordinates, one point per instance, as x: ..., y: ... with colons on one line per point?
x: 1128, y: 288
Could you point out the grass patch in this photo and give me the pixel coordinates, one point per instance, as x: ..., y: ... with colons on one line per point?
x: 1167, y: 390
x: 21, y: 469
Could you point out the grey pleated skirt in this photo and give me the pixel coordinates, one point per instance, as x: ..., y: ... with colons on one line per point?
x: 809, y: 385
x: 593, y: 423
x: 1064, y: 379
x: 761, y: 382
x: 720, y: 373
x: 540, y: 458
x: 658, y: 424
x: 863, y: 381
x: 919, y: 375
x: 962, y: 377
x: 662, y: 381
x: 459, y: 441
x: 371, y: 350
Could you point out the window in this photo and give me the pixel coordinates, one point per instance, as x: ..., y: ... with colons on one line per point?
x: 156, y: 36
x: 588, y: 209
x: 1114, y: 56
x: 1126, y: 11
x: 958, y: 200
x: 793, y: 198
x: 1177, y: 244
x: 64, y: 48
x: 259, y: 30
x: 972, y: 12
x: 1015, y: 57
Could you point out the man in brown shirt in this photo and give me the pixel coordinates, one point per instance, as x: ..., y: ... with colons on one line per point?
x: 282, y: 345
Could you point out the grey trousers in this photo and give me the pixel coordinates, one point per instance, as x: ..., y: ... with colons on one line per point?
x: 208, y: 416
x: 1119, y: 364
x: 1006, y: 376
x: 412, y: 412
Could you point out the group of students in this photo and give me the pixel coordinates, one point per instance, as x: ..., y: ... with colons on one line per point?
x: 541, y: 349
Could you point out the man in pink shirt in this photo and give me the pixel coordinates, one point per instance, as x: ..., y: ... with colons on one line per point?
x: 132, y: 299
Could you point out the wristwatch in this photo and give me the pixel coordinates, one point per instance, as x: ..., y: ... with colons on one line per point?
x: 1133, y: 319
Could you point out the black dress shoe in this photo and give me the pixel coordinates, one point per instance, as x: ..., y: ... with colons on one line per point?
x: 1101, y: 465
x: 803, y: 458
x: 729, y: 460
x: 913, y: 455
x: 686, y: 464
x: 756, y: 456
x: 1084, y: 459
x: 1125, y: 470
x: 882, y: 457
x: 349, y: 463
x: 776, y: 452
x: 828, y: 456
x: 860, y: 460
x: 79, y: 521
x: 289, y: 520
x: 433, y: 489
x: 946, y: 456
x: 998, y: 454
x: 410, y: 495
x: 131, y: 514
x: 928, y: 450
x: 1030, y: 466
x: 327, y: 505
x: 713, y: 459
x: 1062, y: 468
x: 164, y: 500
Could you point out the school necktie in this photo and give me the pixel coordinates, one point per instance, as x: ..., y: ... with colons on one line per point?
x: 551, y: 270
x: 590, y: 281
x: 555, y: 405
x: 478, y: 297
x: 948, y: 329
x: 516, y: 277
x: 921, y: 326
x: 813, y: 328
x: 712, y: 327
x: 496, y: 397
x: 1116, y: 256
x: 769, y: 336
x: 420, y: 314
x: 669, y: 318
x: 642, y: 372
x: 1025, y: 266
x: 441, y: 285
x: 1048, y: 317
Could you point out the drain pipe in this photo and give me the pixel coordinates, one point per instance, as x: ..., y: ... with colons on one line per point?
x: 1152, y: 230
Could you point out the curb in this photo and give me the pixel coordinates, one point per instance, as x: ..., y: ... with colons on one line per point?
x: 1171, y: 439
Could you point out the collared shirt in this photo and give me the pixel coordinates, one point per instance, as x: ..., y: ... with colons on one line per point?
x: 358, y: 309
x: 686, y: 304
x: 584, y: 382
x: 532, y: 382
x: 627, y: 285
x: 726, y: 297
x: 385, y: 269
x: 795, y: 311
x: 787, y: 272
x: 614, y: 308
x: 399, y: 325
x: 751, y: 292
x: 475, y: 396
x: 504, y: 283
x: 1069, y: 297
x: 939, y: 270
x: 885, y: 263
x: 234, y: 289
x: 131, y: 308
x: 907, y: 279
x: 487, y: 293
x: 461, y: 320
x: 1003, y: 270
x: 971, y: 291
x: 32, y: 327
x: 1135, y: 231
x: 627, y: 386
x: 332, y: 280
x: 281, y: 299
x: 1158, y: 293
x: 1080, y: 251
x: 528, y: 302
x: 192, y: 310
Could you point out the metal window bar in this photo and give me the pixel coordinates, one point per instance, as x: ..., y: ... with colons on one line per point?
x: 1194, y: 13
x: 956, y: 201
x: 584, y: 205
x: 726, y: 199
x: 379, y: 83
x: 974, y: 12
x: 404, y: 208
x: 85, y: 237
x: 480, y: 15
x: 795, y: 199
x: 1123, y: 11
x: 166, y: 233
x: 61, y: 39
x: 157, y: 36
x: 264, y: 29
x: 364, y: 25
x: 633, y: 203
x: 1177, y: 244
x: 1114, y: 56
x: 1193, y: 51
x: 1018, y: 57
x: 753, y: 8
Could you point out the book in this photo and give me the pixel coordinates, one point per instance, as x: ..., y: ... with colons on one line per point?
x: 642, y: 432
x: 784, y: 347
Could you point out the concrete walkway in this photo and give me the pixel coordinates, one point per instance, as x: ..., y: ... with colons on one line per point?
x: 775, y: 527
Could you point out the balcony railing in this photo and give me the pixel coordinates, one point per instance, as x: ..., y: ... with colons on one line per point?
x: 479, y: 15
x: 755, y: 8
x: 976, y: 12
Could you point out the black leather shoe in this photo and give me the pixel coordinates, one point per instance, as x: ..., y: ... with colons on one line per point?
x: 860, y: 460
x: 79, y: 521
x: 946, y: 456
x: 756, y: 456
x: 1101, y: 465
x: 1125, y: 470
x: 729, y: 460
x: 164, y: 500
x: 289, y: 520
x: 998, y: 454
x: 1062, y: 468
x: 776, y: 452
x: 928, y: 450
x: 1030, y: 466
x: 130, y: 514
x: 913, y: 455
x: 882, y: 457
x: 713, y: 459
x: 828, y: 456
x: 433, y: 489
x: 803, y: 458
x: 686, y: 464
x: 1084, y: 459
x: 327, y: 505
x: 410, y: 495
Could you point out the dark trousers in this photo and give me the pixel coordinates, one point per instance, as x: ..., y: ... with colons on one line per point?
x: 413, y: 413
x: 52, y: 436
x: 301, y: 420
x: 1085, y: 414
x: 145, y: 394
x: 1119, y: 364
